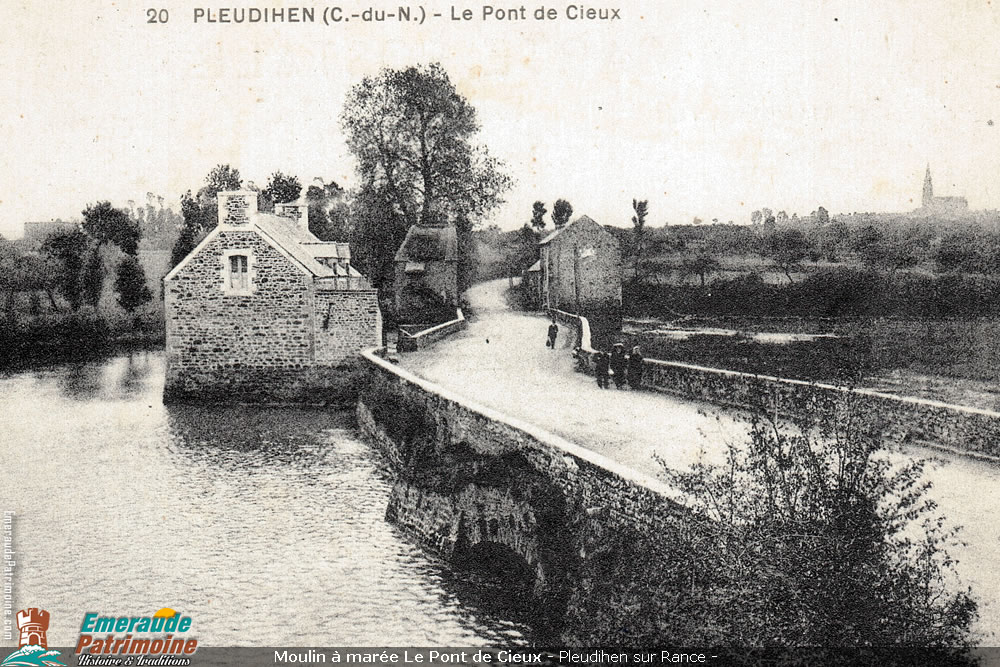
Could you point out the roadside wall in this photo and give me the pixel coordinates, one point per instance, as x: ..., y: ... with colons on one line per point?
x: 408, y: 342
x: 962, y: 429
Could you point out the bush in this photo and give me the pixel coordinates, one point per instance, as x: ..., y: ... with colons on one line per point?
x: 822, y: 541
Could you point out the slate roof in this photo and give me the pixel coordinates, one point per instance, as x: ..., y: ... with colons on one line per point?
x: 304, y: 248
x: 583, y: 219
x: 429, y: 244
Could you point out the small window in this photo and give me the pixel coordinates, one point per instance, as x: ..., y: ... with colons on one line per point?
x: 239, y: 277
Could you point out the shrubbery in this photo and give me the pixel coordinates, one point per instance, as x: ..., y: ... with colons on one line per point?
x: 837, y: 292
x: 824, y: 541
x: 68, y: 336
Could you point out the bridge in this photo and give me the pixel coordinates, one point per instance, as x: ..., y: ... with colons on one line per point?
x: 500, y: 361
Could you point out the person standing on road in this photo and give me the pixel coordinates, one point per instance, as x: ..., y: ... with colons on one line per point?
x: 618, y: 364
x: 635, y: 368
x: 601, y: 369
x: 553, y: 332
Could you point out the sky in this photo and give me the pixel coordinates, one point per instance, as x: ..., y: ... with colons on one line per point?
x: 709, y: 109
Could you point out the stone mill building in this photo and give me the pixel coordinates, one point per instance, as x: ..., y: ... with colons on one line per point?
x: 263, y: 311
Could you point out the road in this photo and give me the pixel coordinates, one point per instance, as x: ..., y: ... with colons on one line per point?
x: 501, y: 361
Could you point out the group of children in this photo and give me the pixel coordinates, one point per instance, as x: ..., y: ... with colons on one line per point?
x: 623, y: 369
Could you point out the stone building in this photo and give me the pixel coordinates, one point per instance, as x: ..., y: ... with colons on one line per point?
x: 581, y: 270
x: 426, y: 285
x: 263, y: 311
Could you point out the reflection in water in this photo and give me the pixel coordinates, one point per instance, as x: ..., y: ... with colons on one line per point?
x: 264, y: 525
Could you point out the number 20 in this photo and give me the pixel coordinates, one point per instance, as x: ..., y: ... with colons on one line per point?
x: 157, y: 16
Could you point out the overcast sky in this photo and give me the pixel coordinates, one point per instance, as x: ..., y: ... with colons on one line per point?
x: 707, y: 109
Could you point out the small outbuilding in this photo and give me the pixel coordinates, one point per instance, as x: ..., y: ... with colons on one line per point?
x: 426, y: 286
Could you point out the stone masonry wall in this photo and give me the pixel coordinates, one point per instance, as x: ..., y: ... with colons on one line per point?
x: 255, y: 347
x: 346, y: 321
x: 962, y: 429
x: 598, y: 269
x: 546, y: 499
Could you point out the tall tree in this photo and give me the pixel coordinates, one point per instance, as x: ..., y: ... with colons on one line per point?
x: 788, y: 247
x: 378, y: 231
x: 562, y: 210
x: 329, y: 211
x: 413, y: 135
x: 639, y: 229
x: 93, y: 277
x: 822, y: 217
x: 538, y: 216
x: 130, y: 283
x: 68, y: 251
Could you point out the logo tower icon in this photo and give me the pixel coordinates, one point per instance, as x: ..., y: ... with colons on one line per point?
x: 33, y: 623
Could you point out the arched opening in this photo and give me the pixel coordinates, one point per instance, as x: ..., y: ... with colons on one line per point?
x: 34, y: 639
x: 503, y: 580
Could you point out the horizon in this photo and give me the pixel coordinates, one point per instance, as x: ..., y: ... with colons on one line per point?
x: 708, y: 111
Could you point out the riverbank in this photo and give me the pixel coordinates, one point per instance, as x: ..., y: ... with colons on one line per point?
x: 26, y: 343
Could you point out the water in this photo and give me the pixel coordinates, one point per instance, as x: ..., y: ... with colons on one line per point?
x: 264, y: 525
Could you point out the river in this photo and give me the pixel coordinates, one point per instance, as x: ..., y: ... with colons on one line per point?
x: 264, y: 525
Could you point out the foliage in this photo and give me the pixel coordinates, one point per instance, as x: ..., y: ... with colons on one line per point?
x: 538, y: 216
x: 467, y: 253
x: 959, y: 252
x: 378, y: 231
x: 200, y: 212
x: 828, y: 292
x: 823, y: 541
x: 281, y: 188
x: 413, y: 135
x: 788, y: 247
x: 130, y: 283
x: 93, y: 278
x: 701, y: 265
x: 68, y: 251
x: 562, y: 211
x: 106, y: 224
x: 641, y: 209
x: 222, y: 178
x: 329, y: 212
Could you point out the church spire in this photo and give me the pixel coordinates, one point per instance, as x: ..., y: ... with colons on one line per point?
x: 928, y: 198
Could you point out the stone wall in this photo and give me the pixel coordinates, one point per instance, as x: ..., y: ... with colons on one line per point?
x: 256, y: 347
x: 410, y: 342
x: 966, y: 430
x: 584, y: 269
x: 346, y: 321
x: 469, y: 478
x: 957, y: 428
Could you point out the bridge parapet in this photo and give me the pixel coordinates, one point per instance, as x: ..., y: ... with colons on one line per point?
x: 470, y: 478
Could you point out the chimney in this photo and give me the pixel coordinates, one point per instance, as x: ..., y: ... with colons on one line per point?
x: 294, y: 210
x: 236, y: 207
